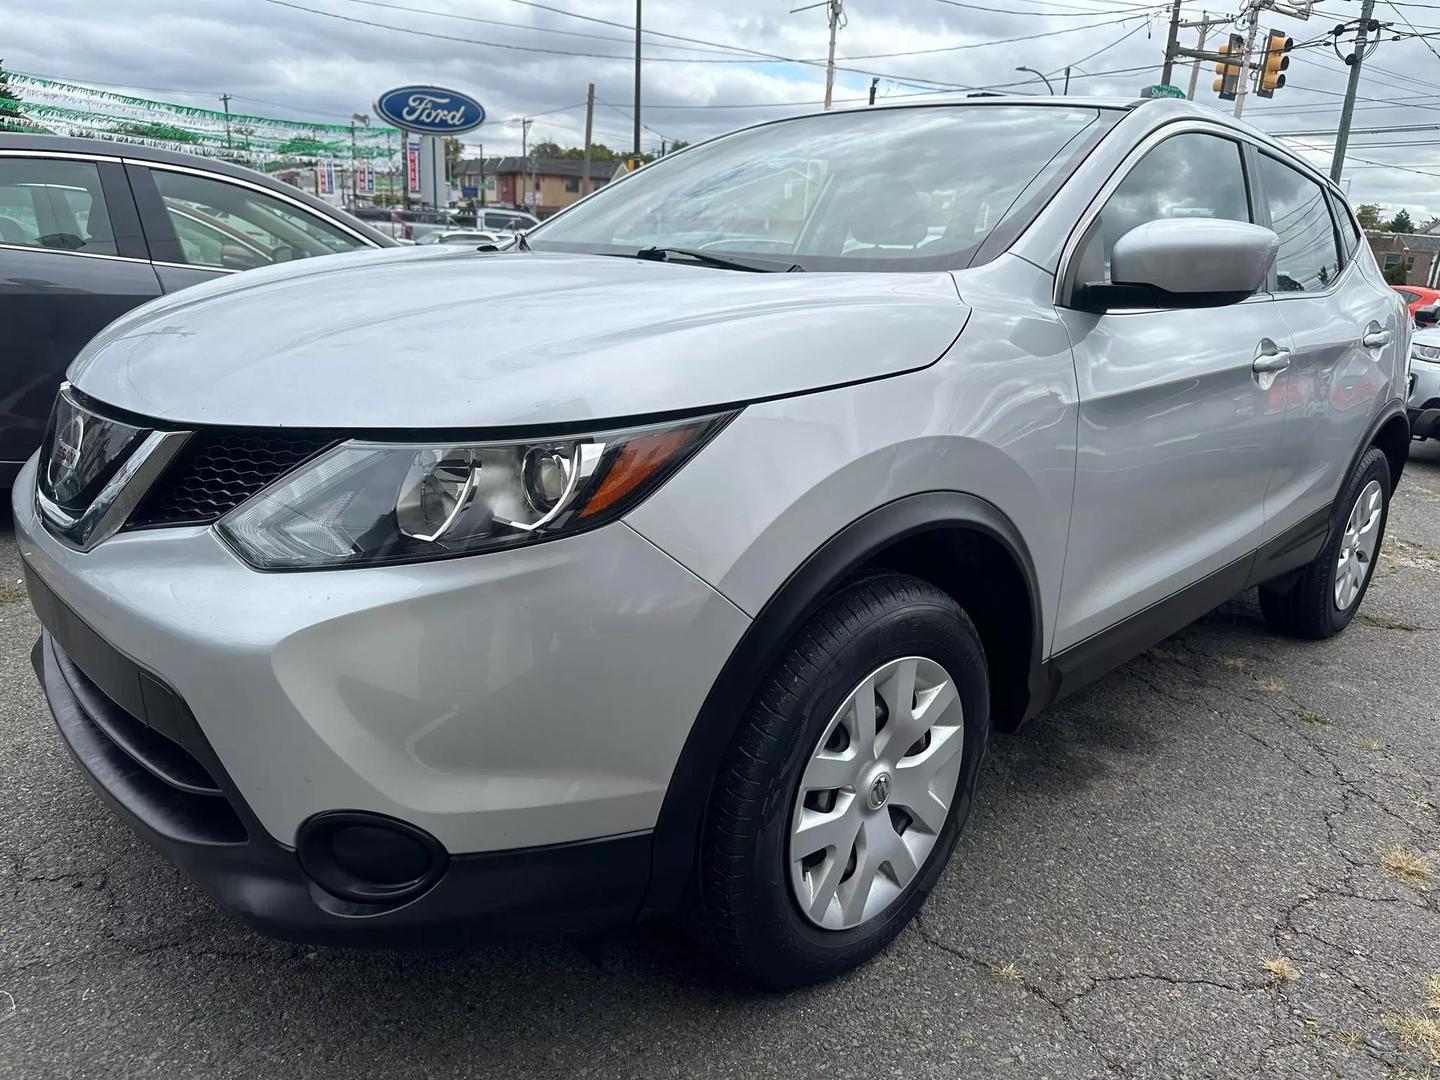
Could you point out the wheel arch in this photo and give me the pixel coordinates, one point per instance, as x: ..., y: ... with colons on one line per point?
x: 933, y: 535
x: 1391, y: 434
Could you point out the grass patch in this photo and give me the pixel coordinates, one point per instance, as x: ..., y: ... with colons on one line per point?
x: 1280, y: 969
x: 1416, y: 1032
x: 1008, y: 973
x: 1271, y: 686
x: 11, y: 594
x: 1373, y: 746
x: 1234, y: 663
x: 1409, y: 866
x: 1310, y: 716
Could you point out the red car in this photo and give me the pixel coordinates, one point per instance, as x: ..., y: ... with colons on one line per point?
x: 1417, y: 296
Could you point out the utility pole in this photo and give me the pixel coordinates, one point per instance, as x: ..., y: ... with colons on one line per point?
x: 225, y: 101
x: 1242, y: 89
x: 637, y: 83
x: 1172, y: 43
x: 525, y: 157
x: 835, y: 9
x: 1199, y: 47
x: 589, y: 127
x: 1347, y: 111
x: 1067, y: 81
x: 835, y: 16
x: 482, y: 176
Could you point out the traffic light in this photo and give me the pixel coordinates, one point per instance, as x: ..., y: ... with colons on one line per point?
x: 1229, y: 70
x: 1272, y: 67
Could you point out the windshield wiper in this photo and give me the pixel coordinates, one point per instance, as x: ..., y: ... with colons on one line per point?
x: 729, y: 262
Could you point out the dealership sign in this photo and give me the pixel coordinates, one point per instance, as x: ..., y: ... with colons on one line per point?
x: 430, y: 110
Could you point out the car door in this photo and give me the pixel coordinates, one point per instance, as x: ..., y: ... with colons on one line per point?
x: 1177, y: 430
x: 72, y: 258
x: 201, y: 225
x: 1346, y: 327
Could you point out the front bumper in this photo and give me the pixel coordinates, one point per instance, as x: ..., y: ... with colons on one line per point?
x: 524, y: 709
x: 217, y: 842
x: 1423, y: 402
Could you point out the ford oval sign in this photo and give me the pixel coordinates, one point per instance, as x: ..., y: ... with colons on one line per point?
x: 430, y: 110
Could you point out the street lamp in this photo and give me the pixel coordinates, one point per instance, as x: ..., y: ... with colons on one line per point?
x: 1042, y: 77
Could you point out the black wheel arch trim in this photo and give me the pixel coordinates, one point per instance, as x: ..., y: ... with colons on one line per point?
x: 1393, y: 407
x: 677, y: 830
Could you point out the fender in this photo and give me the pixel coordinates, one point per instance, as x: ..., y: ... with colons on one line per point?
x: 676, y: 836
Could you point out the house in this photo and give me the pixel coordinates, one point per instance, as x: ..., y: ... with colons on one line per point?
x: 1418, y: 252
x: 542, y: 185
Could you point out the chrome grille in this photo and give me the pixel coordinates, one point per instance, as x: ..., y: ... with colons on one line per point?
x: 93, y: 469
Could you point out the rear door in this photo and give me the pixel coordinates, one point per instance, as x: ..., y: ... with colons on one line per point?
x: 201, y: 225
x: 1177, y: 430
x: 72, y: 258
x: 1345, y: 326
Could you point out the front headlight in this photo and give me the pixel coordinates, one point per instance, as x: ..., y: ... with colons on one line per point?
x: 1425, y: 352
x: 371, y: 503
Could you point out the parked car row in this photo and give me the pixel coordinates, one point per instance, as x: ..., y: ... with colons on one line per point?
x: 792, y: 467
x: 415, y: 225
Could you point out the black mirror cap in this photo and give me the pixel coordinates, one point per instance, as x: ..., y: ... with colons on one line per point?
x: 1427, y: 316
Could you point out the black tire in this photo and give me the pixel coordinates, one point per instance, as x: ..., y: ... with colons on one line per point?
x: 747, y: 910
x: 1307, y: 609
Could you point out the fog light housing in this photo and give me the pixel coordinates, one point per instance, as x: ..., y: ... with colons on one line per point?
x: 369, y: 858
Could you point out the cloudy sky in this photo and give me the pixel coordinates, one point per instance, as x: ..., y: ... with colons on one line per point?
x: 325, y: 59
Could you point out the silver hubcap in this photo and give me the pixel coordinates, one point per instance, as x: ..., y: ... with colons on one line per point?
x: 1358, y: 545
x: 876, y: 792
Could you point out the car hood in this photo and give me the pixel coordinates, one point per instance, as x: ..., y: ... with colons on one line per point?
x: 445, y: 338
x: 1429, y: 336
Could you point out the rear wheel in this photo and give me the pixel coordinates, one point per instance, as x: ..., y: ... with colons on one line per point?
x: 841, y: 798
x: 1328, y: 592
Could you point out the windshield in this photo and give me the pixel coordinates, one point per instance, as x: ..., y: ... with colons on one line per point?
x: 884, y: 189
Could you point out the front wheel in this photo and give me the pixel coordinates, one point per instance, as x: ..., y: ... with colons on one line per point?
x: 842, y: 796
x: 1328, y: 593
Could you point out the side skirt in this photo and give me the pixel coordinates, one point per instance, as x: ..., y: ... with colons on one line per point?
x: 1086, y: 661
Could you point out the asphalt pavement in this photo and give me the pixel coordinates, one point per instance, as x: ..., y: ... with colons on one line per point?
x: 1219, y: 861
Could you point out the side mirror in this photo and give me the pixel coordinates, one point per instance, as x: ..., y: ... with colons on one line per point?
x: 1427, y: 316
x: 1186, y: 263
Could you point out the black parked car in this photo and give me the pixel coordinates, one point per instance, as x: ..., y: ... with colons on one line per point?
x: 90, y: 229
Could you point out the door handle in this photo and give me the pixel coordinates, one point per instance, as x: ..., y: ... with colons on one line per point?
x: 1375, y: 339
x: 1269, y: 363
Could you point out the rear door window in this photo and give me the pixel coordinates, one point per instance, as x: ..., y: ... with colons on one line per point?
x: 54, y: 203
x: 1309, y: 258
x: 231, y: 227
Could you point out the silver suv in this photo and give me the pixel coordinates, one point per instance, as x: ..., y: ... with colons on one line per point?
x: 791, y: 467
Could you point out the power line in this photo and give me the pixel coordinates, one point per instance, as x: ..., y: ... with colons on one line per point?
x: 526, y: 26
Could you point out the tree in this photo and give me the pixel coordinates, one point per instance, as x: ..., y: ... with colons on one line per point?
x: 1430, y: 224
x: 1369, y: 215
x: 1396, y: 275
x: 679, y: 144
x: 453, y: 153
x: 1401, y: 222
x: 547, y: 149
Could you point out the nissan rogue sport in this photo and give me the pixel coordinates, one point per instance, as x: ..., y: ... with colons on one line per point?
x: 787, y: 470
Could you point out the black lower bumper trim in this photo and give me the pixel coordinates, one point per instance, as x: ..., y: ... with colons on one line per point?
x: 1425, y: 423
x: 558, y: 888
